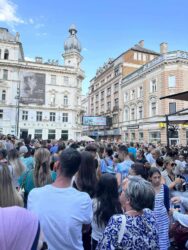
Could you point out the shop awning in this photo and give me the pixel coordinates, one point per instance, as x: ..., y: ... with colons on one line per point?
x: 183, y: 96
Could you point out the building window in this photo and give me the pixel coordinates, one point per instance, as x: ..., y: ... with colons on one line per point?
x: 126, y: 97
x: 153, y: 86
x: 66, y: 80
x: 153, y: 108
x: 108, y: 105
x: 52, y: 99
x: 38, y: 134
x: 5, y: 74
x: 171, y: 81
x: 65, y: 117
x: 116, y: 87
x: 139, y: 56
x: 6, y: 54
x: 64, y: 135
x: 132, y: 113
x: 144, y: 57
x: 102, y: 95
x: 39, y: 116
x: 24, y: 115
x: 1, y: 113
x: 126, y: 114
x: 116, y: 102
x: 154, y: 136
x: 132, y: 94
x: 97, y: 98
x: 108, y: 91
x: 151, y: 57
x: 133, y: 136
x: 51, y: 134
x: 0, y: 53
x: 140, y: 112
x: 65, y: 100
x: 53, y: 79
x: 141, y: 136
x: 116, y: 71
x: 135, y: 56
x: 140, y: 92
x: 172, y: 107
x: 3, y: 95
x: 52, y: 116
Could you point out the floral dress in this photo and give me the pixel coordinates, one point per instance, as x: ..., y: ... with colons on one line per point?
x: 140, y: 233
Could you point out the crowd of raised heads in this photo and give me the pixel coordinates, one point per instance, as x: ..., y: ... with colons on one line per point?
x: 73, y: 195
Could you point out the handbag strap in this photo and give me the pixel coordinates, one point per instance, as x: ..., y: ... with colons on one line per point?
x: 122, y: 229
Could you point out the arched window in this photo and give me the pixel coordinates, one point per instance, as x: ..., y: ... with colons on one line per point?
x: 65, y: 100
x: 3, y: 95
x: 6, y: 54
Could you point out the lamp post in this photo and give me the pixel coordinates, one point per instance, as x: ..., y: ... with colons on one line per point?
x: 17, y: 97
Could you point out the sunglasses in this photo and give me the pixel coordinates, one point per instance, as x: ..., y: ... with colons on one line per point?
x: 173, y: 164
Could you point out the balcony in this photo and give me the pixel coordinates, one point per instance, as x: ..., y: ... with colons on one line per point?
x: 116, y: 108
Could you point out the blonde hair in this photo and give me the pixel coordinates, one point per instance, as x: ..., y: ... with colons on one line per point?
x: 167, y: 160
x: 42, y: 175
x: 15, y: 162
x: 8, y: 195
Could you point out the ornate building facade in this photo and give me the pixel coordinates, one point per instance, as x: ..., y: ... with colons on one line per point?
x: 105, y: 97
x: 40, y: 99
x: 144, y: 113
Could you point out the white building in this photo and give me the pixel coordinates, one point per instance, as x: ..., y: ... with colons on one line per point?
x: 40, y: 99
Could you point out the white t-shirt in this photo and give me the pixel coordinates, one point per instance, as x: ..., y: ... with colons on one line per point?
x: 61, y: 212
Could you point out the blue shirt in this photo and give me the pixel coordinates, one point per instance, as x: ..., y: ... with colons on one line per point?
x: 123, y: 168
x: 107, y: 166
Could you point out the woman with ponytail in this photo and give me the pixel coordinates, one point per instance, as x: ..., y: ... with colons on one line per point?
x: 40, y: 176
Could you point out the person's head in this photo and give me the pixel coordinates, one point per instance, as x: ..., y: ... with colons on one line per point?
x: 181, y: 158
x: 151, y: 147
x: 8, y: 195
x: 140, y: 153
x: 122, y: 152
x: 86, y: 178
x: 108, y: 152
x: 19, y: 227
x: 155, y: 176
x: 108, y: 199
x: 159, y: 162
x: 169, y: 164
x: 155, y: 153
x: 42, y: 167
x: 23, y: 150
x: 137, y: 194
x: 13, y: 154
x: 92, y: 148
x: 70, y: 160
x: 138, y: 169
x: 3, y: 154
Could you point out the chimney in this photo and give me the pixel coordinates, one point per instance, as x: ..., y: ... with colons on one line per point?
x: 163, y: 48
x: 141, y: 43
x: 38, y: 59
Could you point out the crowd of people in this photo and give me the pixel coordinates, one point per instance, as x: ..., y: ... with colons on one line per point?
x: 79, y: 195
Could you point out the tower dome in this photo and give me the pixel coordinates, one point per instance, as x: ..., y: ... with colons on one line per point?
x: 72, y: 43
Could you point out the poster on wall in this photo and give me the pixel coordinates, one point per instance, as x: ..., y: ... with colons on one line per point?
x: 32, y: 88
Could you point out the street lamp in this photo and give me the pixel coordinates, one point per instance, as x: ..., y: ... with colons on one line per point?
x: 17, y: 97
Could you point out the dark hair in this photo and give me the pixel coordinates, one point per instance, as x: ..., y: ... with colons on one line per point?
x: 70, y: 161
x: 139, y: 169
x: 123, y: 149
x: 91, y: 148
x: 86, y: 178
x: 153, y: 170
x: 160, y: 161
x: 107, y: 199
x: 13, y: 154
x: 109, y: 151
x: 3, y: 153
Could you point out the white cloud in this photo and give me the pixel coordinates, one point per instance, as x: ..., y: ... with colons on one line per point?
x: 31, y: 21
x: 85, y: 49
x: 27, y: 58
x: 39, y: 25
x: 8, y: 12
x: 41, y: 34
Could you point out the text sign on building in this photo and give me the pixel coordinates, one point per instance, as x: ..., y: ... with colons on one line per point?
x: 32, y: 88
x: 94, y: 120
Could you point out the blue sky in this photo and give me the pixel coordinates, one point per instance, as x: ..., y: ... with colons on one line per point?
x: 106, y: 28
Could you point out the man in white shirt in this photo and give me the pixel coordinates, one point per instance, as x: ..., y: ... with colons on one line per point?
x: 61, y: 209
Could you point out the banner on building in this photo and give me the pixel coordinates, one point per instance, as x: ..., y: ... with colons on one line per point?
x: 32, y: 88
x: 94, y: 120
